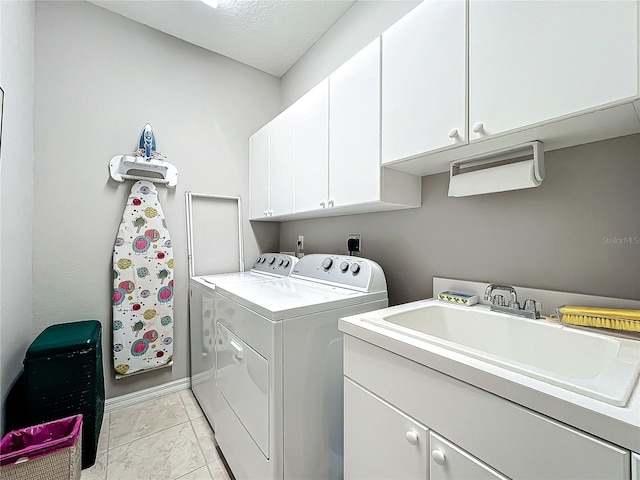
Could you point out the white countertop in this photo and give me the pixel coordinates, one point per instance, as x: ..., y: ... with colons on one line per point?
x: 618, y: 425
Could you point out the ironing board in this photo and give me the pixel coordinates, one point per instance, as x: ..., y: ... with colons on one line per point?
x: 142, y: 285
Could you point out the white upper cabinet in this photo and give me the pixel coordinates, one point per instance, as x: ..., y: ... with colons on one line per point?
x: 259, y: 172
x: 281, y: 168
x: 533, y: 61
x: 424, y: 66
x: 354, y: 129
x: 452, y: 79
x: 271, y: 167
x: 312, y: 148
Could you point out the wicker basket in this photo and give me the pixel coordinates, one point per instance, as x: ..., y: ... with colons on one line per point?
x: 51, y: 451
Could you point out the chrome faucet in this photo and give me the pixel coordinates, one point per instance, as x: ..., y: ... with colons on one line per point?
x: 513, y: 308
x: 513, y: 296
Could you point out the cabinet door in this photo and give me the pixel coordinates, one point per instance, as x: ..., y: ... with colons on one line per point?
x: 531, y: 61
x: 259, y: 172
x: 424, y: 80
x: 448, y: 462
x: 354, y: 129
x: 312, y: 148
x: 635, y: 466
x: 281, y: 152
x: 380, y: 442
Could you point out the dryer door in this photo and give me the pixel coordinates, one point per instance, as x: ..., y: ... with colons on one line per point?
x: 243, y: 380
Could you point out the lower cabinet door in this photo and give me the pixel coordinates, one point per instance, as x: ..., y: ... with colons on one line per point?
x: 448, y: 462
x: 381, y: 442
x: 635, y: 467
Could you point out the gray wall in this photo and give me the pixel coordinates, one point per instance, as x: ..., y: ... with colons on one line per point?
x: 578, y: 232
x: 360, y: 25
x: 16, y: 187
x: 93, y: 94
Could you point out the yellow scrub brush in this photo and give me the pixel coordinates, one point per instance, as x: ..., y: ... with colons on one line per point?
x: 613, y: 318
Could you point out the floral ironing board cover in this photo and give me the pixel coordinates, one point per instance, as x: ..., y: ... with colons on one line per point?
x: 142, y: 285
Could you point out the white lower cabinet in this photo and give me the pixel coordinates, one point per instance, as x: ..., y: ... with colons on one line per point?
x: 381, y: 442
x: 449, y: 462
x: 473, y: 434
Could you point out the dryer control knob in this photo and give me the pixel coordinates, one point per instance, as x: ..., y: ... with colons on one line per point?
x: 355, y: 268
x: 326, y: 263
x: 344, y: 266
x: 272, y: 260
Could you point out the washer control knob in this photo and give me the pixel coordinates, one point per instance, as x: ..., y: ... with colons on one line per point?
x: 280, y: 262
x: 355, y: 268
x: 272, y: 260
x: 286, y: 263
x: 344, y: 266
x: 326, y: 263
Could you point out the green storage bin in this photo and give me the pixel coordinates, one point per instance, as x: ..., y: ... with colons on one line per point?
x: 64, y: 377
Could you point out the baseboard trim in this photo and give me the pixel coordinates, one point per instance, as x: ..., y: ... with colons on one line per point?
x: 135, y: 398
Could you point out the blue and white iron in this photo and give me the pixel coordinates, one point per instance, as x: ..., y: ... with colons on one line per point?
x: 145, y: 159
x: 147, y: 143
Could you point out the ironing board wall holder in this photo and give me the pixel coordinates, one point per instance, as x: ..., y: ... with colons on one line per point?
x: 144, y: 164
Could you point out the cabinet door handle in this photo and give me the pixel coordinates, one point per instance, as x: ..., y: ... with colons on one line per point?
x: 270, y: 212
x: 265, y: 213
x: 439, y: 457
x: 453, y: 133
x: 412, y: 437
x: 330, y: 203
x: 323, y: 204
x: 238, y: 351
x: 478, y: 127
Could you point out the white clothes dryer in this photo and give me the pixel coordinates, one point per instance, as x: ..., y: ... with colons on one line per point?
x: 279, y: 366
x: 202, y: 327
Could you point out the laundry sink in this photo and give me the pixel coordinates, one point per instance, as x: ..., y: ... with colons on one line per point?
x: 600, y: 366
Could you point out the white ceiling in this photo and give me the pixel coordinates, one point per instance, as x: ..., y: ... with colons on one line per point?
x: 270, y: 35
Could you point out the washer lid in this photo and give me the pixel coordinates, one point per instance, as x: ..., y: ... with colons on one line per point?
x: 238, y: 277
x: 265, y: 267
x: 286, y: 298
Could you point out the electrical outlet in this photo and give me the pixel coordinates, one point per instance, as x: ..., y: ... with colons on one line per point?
x: 354, y: 242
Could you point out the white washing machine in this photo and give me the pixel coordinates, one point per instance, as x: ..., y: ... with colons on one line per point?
x: 202, y: 327
x: 279, y: 366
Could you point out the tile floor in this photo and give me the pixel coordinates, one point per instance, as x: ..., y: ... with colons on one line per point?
x: 167, y: 438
